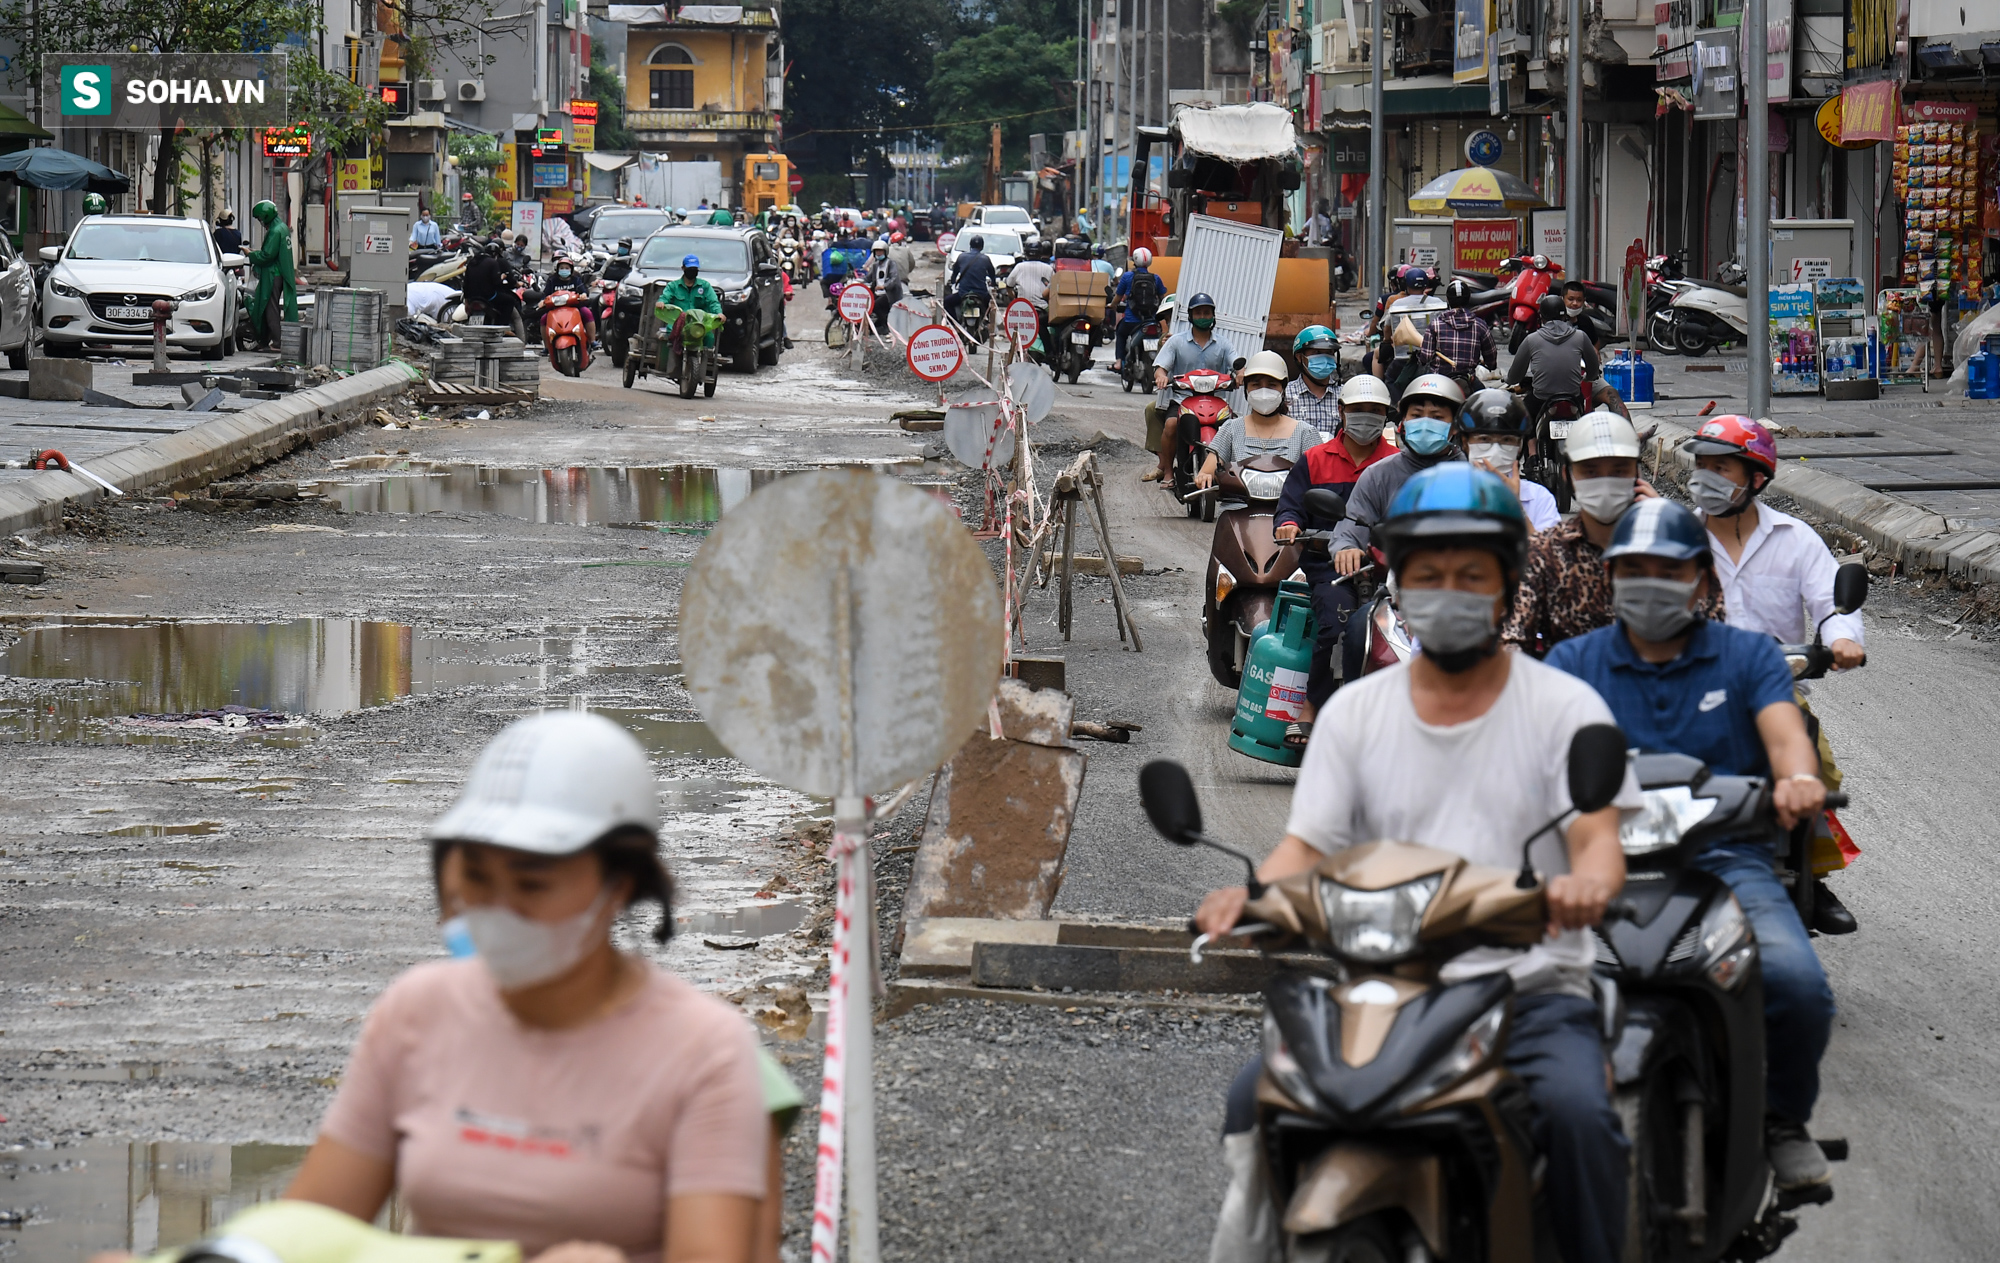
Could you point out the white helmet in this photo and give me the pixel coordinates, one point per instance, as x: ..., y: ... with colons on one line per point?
x: 1365, y: 388
x: 1141, y: 257
x: 1435, y: 386
x: 1264, y: 364
x: 553, y: 784
x: 1600, y: 433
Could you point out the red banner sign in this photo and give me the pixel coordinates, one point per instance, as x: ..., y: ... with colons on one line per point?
x: 1868, y: 112
x: 583, y: 111
x: 1480, y: 245
x: 1940, y: 112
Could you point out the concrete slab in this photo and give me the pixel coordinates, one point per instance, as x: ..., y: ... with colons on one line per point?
x: 998, y: 831
x: 58, y: 379
x: 936, y: 947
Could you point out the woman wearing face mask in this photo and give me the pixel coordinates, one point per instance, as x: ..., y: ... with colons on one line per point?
x: 1492, y: 427
x: 565, y: 276
x: 1268, y: 430
x: 554, y: 1091
x: 1430, y: 409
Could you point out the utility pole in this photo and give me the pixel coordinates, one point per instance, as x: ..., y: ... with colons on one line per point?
x: 1080, y: 184
x: 1573, y: 173
x: 1754, y: 72
x: 1375, y: 262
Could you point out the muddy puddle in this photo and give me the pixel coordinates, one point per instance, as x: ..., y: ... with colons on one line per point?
x: 747, y: 921
x: 76, y: 1200
x: 145, y: 682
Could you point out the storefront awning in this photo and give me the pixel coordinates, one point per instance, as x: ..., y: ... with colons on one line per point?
x: 1402, y: 98
x: 15, y: 123
x: 609, y: 161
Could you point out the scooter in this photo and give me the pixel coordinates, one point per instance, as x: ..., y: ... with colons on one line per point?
x: 1388, y: 1122
x: 1246, y: 561
x: 1136, y: 373
x: 1708, y: 313
x: 1812, y: 662
x: 1201, y: 413
x: 1534, y: 275
x: 1070, y: 343
x: 563, y: 332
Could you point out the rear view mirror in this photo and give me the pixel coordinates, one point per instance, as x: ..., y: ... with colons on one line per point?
x: 1325, y: 505
x: 1596, y: 766
x: 1239, y: 363
x: 1170, y: 801
x: 1850, y: 587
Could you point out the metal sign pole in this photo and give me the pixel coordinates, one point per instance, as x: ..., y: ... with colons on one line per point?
x: 1573, y: 173
x: 1376, y: 263
x: 1753, y: 72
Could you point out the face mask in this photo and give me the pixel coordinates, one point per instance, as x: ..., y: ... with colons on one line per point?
x: 1447, y: 622
x: 457, y: 939
x: 1426, y: 436
x: 1321, y: 366
x: 1267, y: 401
x: 1714, y: 494
x: 1605, y: 499
x: 1364, y: 427
x: 689, y: 277
x: 1498, y: 457
x: 520, y: 953
x: 1654, y: 609
x: 1202, y: 322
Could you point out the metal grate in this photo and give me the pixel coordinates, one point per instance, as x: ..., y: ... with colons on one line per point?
x: 1685, y: 946
x: 1606, y: 956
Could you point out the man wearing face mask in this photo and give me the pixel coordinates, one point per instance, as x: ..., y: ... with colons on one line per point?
x: 1187, y: 350
x: 1430, y: 410
x: 1310, y: 396
x: 1678, y: 682
x: 566, y: 276
x: 691, y: 292
x: 1492, y: 427
x: 1557, y: 361
x: 1463, y: 748
x: 1336, y: 466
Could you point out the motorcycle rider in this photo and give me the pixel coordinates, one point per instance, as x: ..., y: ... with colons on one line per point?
x: 1492, y: 428
x: 488, y: 281
x: 1268, y: 430
x: 1458, y: 343
x: 1187, y: 350
x: 566, y: 276
x: 1773, y: 569
x: 691, y: 292
x: 1463, y: 748
x: 518, y: 258
x: 276, y: 281
x: 620, y: 265
x: 1565, y: 591
x: 1429, y: 415
x: 1576, y: 309
x: 885, y: 279
x: 1310, y: 396
x: 1681, y: 683
x: 972, y: 275
x: 1335, y: 465
x: 1139, y: 293
x: 1557, y: 361
x: 1033, y: 275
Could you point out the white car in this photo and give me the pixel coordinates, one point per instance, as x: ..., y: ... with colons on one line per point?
x: 17, y: 303
x: 1012, y: 218
x: 105, y: 279
x: 1003, y: 246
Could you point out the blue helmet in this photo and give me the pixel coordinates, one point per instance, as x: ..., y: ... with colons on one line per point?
x: 691, y: 261
x: 1313, y: 335
x: 1659, y: 528
x: 1199, y: 300
x: 1454, y: 505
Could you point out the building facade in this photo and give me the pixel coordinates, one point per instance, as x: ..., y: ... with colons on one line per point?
x: 704, y: 83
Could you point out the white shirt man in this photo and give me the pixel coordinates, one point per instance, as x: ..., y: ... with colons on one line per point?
x: 1782, y: 583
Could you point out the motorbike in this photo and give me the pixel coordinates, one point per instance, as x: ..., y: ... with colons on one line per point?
x: 1201, y: 412
x: 1070, y: 342
x: 1246, y: 561
x: 1811, y: 662
x: 1388, y: 1124
x: 1137, y: 371
x: 836, y: 327
x: 1542, y: 460
x: 422, y: 261
x: 793, y: 260
x: 1707, y: 314
x: 1533, y: 276
x: 563, y: 332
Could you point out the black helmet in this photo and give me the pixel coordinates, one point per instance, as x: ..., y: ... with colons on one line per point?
x: 1415, y: 278
x: 1494, y: 411
x: 979, y: 243
x: 1458, y: 293
x: 1551, y: 307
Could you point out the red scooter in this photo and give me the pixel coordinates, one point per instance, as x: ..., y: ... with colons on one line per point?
x: 1534, y: 275
x: 1201, y: 413
x: 564, y: 333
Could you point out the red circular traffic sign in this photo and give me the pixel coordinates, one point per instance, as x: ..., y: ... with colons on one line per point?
x: 934, y: 353
x: 856, y: 301
x: 797, y: 183
x: 1023, y: 323
x: 945, y: 241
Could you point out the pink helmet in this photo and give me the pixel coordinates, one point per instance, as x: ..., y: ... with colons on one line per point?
x: 1738, y: 436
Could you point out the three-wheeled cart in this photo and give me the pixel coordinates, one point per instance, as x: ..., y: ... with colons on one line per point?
x: 691, y: 361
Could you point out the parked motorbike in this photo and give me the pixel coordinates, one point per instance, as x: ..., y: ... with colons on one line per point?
x: 1246, y: 561
x: 1390, y: 1125
x: 1137, y: 371
x: 563, y: 332
x: 1709, y: 313
x: 1201, y: 413
x: 1533, y: 275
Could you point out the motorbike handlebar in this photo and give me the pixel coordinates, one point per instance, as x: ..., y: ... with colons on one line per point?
x: 1836, y: 799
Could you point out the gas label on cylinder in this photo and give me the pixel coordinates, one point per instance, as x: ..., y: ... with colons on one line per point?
x: 1288, y: 695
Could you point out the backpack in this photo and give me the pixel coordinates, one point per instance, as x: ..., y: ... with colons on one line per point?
x: 1142, y: 299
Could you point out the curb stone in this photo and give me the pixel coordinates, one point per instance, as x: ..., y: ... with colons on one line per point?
x: 213, y: 449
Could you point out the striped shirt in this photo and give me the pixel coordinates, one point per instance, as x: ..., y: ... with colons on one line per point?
x: 1321, y: 412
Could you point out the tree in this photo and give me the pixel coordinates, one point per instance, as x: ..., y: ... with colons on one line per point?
x: 478, y: 156
x: 608, y: 90
x: 859, y: 67
x: 1016, y: 77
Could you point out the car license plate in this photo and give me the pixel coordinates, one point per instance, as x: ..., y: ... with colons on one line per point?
x: 128, y: 313
x: 1080, y: 339
x: 1558, y: 429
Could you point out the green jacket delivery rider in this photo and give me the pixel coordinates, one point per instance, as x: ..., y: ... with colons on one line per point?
x: 273, y: 261
x: 691, y: 292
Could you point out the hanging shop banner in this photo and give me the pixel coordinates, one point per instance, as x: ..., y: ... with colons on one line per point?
x: 1673, y: 39
x: 551, y: 175
x: 1348, y: 151
x: 1827, y: 119
x: 1873, y: 29
x: 1469, y: 45
x: 1867, y: 112
x: 1715, y: 86
x: 1777, y: 49
x: 507, y: 176
x: 1482, y: 245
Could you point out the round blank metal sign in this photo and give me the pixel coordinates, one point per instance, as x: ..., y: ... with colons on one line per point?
x: 1034, y: 389
x: 760, y: 631
x: 970, y: 428
x: 907, y: 316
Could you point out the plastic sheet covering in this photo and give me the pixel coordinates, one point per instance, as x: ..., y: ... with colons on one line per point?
x: 1238, y: 133
x: 638, y: 13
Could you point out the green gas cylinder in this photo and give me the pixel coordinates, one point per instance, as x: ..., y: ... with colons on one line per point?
x: 1274, y: 679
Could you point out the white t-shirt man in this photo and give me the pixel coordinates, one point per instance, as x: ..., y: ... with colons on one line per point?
x: 1031, y: 279
x: 1375, y: 772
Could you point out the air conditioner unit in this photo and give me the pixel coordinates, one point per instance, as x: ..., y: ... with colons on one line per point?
x: 472, y: 89
x: 430, y: 89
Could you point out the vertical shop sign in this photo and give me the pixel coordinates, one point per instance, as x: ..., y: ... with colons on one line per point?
x: 1673, y: 37
x: 1470, y: 25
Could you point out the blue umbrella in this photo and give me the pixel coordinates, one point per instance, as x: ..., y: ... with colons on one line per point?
x: 61, y: 169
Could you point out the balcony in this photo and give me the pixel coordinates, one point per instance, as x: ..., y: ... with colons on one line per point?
x: 699, y: 120
x: 653, y: 17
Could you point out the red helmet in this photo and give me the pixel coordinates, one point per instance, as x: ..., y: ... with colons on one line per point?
x: 895, y: 236
x: 1738, y: 436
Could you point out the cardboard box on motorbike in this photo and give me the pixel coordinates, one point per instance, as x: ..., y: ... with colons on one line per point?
x: 1074, y: 295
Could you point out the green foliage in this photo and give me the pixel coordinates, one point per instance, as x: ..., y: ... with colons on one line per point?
x: 859, y: 65
x: 608, y: 90
x: 478, y: 156
x: 1005, y: 71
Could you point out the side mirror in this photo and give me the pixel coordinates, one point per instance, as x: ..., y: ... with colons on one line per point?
x: 1239, y: 363
x: 1179, y: 177
x: 1170, y: 801
x: 1596, y: 766
x: 50, y: 254
x: 1850, y: 587
x: 235, y: 261
x: 1324, y: 505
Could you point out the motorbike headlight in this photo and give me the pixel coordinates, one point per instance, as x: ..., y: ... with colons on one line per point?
x: 201, y: 295
x: 1202, y: 383
x: 62, y: 290
x: 1473, y: 1050
x: 1263, y: 484
x: 1285, y: 1068
x: 738, y: 295
x: 1225, y: 583
x: 1391, y: 630
x: 1663, y: 819
x: 1376, y: 926
x: 1727, y: 946
x: 631, y: 290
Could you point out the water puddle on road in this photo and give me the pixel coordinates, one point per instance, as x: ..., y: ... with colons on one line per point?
x: 577, y: 496
x: 197, y: 829
x: 752, y: 920
x: 76, y: 1200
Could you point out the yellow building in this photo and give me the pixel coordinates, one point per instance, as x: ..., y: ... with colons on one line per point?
x: 704, y: 83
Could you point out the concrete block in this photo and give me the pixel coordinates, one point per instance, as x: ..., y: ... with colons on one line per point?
x: 997, y: 835
x: 59, y: 380
x: 14, y: 388
x: 1033, y: 966
x: 1039, y: 673
x: 938, y: 947
x: 1038, y: 716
